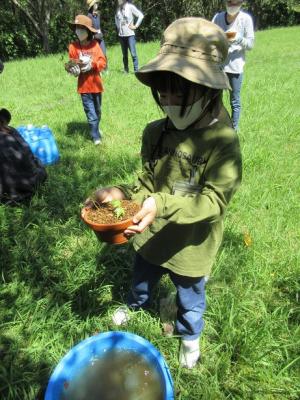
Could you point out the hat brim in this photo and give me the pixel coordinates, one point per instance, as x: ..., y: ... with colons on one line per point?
x: 92, y: 3
x: 196, y: 70
x: 73, y: 24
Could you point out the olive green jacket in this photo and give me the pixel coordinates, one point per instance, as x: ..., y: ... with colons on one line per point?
x: 188, y: 229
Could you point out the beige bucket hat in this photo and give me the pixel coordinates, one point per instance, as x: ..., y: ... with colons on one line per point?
x: 84, y: 21
x: 193, y: 48
x: 90, y: 3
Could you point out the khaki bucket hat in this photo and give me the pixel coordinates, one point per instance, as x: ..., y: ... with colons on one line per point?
x: 90, y: 3
x: 84, y: 21
x: 193, y: 48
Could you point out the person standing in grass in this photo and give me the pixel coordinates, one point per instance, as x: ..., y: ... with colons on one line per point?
x: 242, y: 38
x: 94, y: 15
x: 124, y: 19
x: 191, y: 169
x: 87, y: 61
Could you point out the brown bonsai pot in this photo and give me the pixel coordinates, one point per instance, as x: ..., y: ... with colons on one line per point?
x: 109, y: 232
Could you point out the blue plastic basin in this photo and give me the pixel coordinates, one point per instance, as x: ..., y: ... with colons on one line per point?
x: 80, y: 356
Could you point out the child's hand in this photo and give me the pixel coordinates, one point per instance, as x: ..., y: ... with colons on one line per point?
x: 143, y: 218
x: 75, y: 70
x: 105, y: 195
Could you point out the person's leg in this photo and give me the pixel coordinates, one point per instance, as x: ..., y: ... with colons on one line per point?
x: 92, y: 117
x: 189, y: 323
x: 97, y: 97
x: 145, y: 277
x: 235, y: 81
x: 124, y: 47
x: 133, y: 52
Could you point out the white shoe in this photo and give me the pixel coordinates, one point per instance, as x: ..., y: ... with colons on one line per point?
x: 97, y: 141
x: 189, y: 353
x: 121, y: 316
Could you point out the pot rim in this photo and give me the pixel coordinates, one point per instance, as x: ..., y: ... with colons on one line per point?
x: 89, y: 222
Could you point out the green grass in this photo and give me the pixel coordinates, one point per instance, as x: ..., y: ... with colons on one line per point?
x: 59, y: 285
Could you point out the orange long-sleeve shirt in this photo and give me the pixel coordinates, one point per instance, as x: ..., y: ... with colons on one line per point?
x: 89, y: 82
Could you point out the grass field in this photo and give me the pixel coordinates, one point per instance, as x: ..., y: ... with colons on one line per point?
x: 59, y: 285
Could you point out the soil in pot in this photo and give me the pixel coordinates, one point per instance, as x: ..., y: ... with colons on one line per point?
x: 105, y: 213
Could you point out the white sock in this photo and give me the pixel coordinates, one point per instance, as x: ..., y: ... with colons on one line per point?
x: 189, y: 353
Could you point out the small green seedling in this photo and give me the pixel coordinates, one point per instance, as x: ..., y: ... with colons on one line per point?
x: 117, y: 208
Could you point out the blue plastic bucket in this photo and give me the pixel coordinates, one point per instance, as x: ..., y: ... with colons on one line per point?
x: 42, y: 143
x: 80, y: 356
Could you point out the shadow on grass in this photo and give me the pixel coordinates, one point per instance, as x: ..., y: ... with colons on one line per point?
x: 114, y: 264
x: 78, y: 127
x: 18, y: 369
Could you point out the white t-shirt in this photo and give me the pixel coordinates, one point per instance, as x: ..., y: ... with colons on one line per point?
x: 242, y: 24
x: 125, y: 16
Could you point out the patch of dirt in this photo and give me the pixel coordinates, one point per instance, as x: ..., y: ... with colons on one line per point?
x: 104, y: 213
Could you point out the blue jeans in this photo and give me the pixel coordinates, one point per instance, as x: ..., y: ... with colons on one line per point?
x: 235, y: 97
x: 190, y: 297
x: 92, y: 108
x: 128, y: 42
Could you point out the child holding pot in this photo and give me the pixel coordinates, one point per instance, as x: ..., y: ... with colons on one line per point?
x: 86, y: 62
x: 191, y: 169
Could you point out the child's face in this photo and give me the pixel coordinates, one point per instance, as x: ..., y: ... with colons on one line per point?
x: 168, y: 98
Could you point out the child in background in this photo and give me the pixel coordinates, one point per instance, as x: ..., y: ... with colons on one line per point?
x: 124, y: 20
x: 89, y: 62
x: 238, y: 24
x: 20, y: 171
x: 94, y: 15
x: 191, y: 169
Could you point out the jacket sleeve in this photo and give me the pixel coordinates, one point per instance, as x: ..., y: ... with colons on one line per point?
x: 247, y: 42
x: 73, y: 53
x: 215, y: 19
x: 99, y: 60
x: 138, y: 14
x: 222, y: 179
x: 144, y: 185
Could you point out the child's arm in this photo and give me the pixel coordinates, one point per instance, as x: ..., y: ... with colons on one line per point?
x: 222, y: 178
x: 98, y: 60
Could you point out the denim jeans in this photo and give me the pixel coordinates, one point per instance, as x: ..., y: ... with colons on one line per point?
x: 92, y: 108
x: 128, y: 42
x: 235, y: 97
x: 190, y: 297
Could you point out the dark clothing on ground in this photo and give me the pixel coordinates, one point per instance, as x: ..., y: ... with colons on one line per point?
x: 20, y: 171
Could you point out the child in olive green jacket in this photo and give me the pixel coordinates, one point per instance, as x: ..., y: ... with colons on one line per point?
x: 191, y: 169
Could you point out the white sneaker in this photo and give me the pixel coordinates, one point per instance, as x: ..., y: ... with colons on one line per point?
x: 121, y: 316
x: 189, y: 353
x: 97, y: 141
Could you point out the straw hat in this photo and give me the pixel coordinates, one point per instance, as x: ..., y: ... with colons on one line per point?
x: 90, y: 3
x: 193, y: 48
x: 84, y: 21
